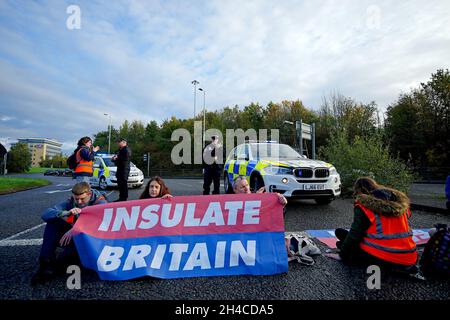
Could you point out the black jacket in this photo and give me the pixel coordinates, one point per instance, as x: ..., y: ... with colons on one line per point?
x: 123, y: 161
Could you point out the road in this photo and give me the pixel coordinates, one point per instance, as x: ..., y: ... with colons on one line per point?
x: 21, y: 230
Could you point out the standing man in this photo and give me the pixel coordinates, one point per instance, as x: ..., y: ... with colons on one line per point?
x: 84, y: 154
x: 122, y: 161
x: 211, y: 167
x: 58, y: 230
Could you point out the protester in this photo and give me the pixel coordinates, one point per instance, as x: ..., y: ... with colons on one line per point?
x: 85, y: 159
x: 58, y: 231
x: 380, y: 233
x: 156, y: 188
x: 122, y: 161
x: 211, y: 167
x: 240, y: 185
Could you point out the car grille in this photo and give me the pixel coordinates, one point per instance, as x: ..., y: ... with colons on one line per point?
x: 134, y: 174
x: 322, y: 173
x: 309, y: 173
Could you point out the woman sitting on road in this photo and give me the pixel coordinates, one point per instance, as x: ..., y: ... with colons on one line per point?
x: 155, y: 188
x: 380, y: 233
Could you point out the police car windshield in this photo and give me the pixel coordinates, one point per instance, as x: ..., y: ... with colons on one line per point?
x: 273, y: 151
x: 110, y: 163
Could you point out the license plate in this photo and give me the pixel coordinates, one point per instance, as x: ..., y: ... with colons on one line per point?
x: 313, y: 187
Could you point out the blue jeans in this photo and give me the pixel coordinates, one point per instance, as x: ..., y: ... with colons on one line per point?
x: 54, y: 230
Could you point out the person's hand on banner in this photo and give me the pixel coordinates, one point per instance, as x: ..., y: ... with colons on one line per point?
x: 167, y: 196
x: 65, y: 239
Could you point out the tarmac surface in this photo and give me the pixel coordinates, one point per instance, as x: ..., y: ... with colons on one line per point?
x: 21, y: 229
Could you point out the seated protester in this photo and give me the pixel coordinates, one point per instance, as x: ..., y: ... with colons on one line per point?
x: 58, y: 231
x: 240, y: 185
x: 156, y: 188
x: 380, y: 233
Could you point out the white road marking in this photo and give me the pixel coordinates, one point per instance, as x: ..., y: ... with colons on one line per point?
x: 56, y: 191
x: 23, y: 232
x: 20, y: 242
x: 63, y: 185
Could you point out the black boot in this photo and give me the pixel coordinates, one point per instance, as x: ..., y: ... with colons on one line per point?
x: 45, y: 272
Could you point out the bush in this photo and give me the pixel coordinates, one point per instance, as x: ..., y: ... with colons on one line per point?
x: 366, y: 156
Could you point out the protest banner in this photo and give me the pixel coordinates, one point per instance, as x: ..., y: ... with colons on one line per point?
x: 187, y: 236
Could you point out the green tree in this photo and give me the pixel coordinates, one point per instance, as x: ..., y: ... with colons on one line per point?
x: 19, y: 158
x: 365, y: 156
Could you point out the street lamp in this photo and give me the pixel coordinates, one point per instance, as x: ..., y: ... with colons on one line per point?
x: 204, y: 114
x: 109, y: 139
x: 195, y: 83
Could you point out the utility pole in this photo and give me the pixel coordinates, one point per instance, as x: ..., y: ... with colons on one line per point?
x: 195, y: 83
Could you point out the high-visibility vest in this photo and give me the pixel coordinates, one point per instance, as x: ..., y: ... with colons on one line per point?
x: 71, y: 219
x: 389, y: 237
x: 83, y: 165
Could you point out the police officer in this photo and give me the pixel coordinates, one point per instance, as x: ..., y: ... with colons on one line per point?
x: 122, y: 161
x: 211, y: 167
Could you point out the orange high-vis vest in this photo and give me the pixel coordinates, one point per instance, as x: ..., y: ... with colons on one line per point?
x: 83, y: 165
x: 389, y: 238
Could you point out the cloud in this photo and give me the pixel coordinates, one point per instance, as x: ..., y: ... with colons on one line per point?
x: 136, y: 60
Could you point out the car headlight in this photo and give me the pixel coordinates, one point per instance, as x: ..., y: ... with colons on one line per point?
x: 278, y: 170
x: 333, y: 171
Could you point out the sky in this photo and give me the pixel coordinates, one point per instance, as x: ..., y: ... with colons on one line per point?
x: 62, y: 69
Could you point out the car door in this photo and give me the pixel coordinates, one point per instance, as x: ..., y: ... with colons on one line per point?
x: 98, y: 169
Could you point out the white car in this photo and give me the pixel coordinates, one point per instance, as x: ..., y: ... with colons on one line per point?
x: 104, y: 174
x: 281, y: 169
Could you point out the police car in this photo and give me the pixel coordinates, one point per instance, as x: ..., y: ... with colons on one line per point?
x: 281, y: 169
x: 104, y: 174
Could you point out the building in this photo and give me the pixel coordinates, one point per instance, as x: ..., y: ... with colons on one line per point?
x: 41, y: 149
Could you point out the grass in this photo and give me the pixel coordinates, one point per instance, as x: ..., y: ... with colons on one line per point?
x: 39, y: 169
x: 8, y: 185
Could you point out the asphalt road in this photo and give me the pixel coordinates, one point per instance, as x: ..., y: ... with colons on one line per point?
x: 326, y: 280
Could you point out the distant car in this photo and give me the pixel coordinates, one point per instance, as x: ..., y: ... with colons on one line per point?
x: 279, y: 168
x: 51, y: 173
x: 104, y: 174
x: 66, y: 172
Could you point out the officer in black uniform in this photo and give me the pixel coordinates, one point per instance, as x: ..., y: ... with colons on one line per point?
x: 211, y: 167
x: 122, y: 161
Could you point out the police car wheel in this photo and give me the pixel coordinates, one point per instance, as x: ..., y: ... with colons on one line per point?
x: 227, y: 185
x: 102, y: 183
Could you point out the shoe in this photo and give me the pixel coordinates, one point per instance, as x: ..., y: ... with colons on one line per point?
x: 45, y: 273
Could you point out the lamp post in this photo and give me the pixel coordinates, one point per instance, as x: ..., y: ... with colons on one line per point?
x: 109, y: 138
x: 195, y: 83
x: 204, y: 115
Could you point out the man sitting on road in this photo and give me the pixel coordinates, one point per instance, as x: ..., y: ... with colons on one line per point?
x: 240, y: 185
x: 58, y: 231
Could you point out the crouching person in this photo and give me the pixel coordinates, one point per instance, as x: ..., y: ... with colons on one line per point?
x: 58, y: 231
x: 380, y: 233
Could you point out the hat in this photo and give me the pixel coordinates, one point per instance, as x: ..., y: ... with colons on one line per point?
x: 121, y: 139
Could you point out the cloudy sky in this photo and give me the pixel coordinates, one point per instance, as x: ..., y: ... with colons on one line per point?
x: 136, y: 59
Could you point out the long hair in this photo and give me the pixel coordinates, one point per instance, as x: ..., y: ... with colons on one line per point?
x: 162, y: 191
x: 365, y: 185
x: 83, y: 141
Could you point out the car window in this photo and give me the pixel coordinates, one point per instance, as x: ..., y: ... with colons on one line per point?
x: 274, y: 151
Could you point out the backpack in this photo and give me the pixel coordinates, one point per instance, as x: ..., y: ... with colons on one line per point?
x: 72, y: 160
x: 435, y: 261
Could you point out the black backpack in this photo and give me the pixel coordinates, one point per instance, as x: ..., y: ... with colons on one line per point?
x: 435, y: 261
x: 72, y: 160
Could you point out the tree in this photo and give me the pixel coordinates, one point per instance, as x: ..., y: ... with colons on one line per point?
x: 418, y: 123
x: 19, y: 158
x: 365, y: 156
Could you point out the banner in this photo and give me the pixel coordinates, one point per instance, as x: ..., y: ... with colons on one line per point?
x: 420, y: 236
x: 186, y: 236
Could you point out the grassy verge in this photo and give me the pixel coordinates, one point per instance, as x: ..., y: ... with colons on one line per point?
x: 8, y: 185
x: 39, y: 170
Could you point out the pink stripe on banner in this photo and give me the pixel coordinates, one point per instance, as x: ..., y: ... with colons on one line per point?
x: 184, y: 215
